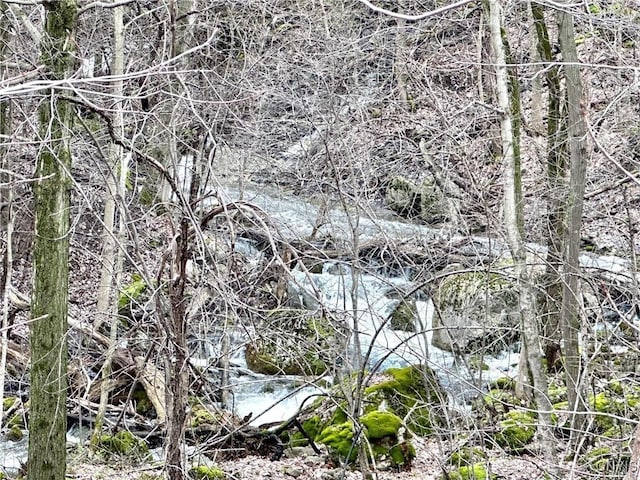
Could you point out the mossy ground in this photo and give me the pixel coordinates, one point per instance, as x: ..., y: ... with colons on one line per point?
x: 477, y: 471
x: 203, y: 472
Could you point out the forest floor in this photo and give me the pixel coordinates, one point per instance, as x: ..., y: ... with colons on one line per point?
x: 427, y: 465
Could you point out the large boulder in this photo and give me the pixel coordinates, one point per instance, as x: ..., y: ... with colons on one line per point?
x: 475, y: 310
x: 399, y: 403
x: 294, y: 342
x: 425, y: 201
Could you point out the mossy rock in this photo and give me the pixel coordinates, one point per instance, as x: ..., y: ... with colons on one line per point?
x: 16, y: 420
x: 312, y: 427
x: 466, y: 456
x: 501, y: 401
x: 200, y: 415
x: 131, y: 291
x: 478, y: 310
x: 502, y: 383
x: 404, y: 392
x: 606, y: 408
x: 403, y: 197
x: 14, y: 434
x: 557, y: 394
x: 410, y: 200
x: 203, y: 472
x: 410, y: 392
x: 123, y: 443
x: 403, y: 317
x: 607, y: 461
x: 477, y: 471
x: 8, y: 402
x: 143, y: 404
x: 299, y: 343
x: 381, y: 424
x: 516, y: 430
x: 339, y: 438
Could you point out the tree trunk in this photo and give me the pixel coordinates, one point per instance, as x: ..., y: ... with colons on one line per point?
x: 111, y: 258
x: 48, y: 327
x: 6, y: 217
x: 551, y: 283
x: 577, y: 146
x: 529, y: 327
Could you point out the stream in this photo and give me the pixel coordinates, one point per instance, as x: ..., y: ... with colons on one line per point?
x: 370, y: 300
x: 274, y: 398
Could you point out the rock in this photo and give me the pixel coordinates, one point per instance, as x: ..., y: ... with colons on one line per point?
x: 14, y: 434
x: 299, y: 342
x: 402, y: 394
x: 516, y: 430
x: 477, y: 310
x: 404, y: 316
x: 292, y: 471
x: 411, y: 393
x: 204, y: 472
x: 409, y: 200
x: 123, y: 443
x: 477, y: 471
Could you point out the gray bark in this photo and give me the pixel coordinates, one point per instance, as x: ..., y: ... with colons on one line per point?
x: 529, y: 326
x: 577, y: 147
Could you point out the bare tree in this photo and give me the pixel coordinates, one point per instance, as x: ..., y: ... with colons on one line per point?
x: 578, y: 157
x: 512, y: 212
x: 49, y: 308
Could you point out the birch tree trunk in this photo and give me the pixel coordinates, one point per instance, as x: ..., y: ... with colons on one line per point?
x: 529, y: 326
x: 111, y: 256
x: 49, y: 308
x: 577, y: 147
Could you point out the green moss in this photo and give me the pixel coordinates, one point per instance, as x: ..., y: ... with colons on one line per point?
x: 146, y: 197
x: 466, y: 456
x: 381, y: 424
x: 402, y: 454
x: 615, y: 386
x: 132, y: 291
x: 339, y: 439
x: 200, y: 415
x: 601, y: 403
x: 8, y: 402
x: 477, y: 471
x: 557, y: 394
x: 598, y: 459
x: 502, y: 383
x: 501, y: 401
x: 16, y: 421
x: 410, y: 391
x: 143, y: 403
x: 516, y: 430
x: 202, y: 472
x: 14, y: 434
x: 122, y: 443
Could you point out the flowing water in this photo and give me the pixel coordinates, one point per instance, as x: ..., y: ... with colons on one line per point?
x: 366, y: 296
